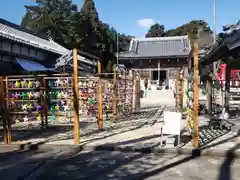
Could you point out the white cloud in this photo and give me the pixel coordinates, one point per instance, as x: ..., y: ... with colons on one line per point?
x: 145, y: 23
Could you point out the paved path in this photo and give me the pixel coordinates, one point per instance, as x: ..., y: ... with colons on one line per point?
x: 158, y: 97
x: 102, y: 165
x: 141, y: 130
x: 19, y: 165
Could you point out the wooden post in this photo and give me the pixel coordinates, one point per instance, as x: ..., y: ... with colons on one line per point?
x: 1, y: 91
x: 42, y: 111
x: 100, y: 110
x: 183, y: 92
x: 177, y: 92
x: 114, y: 92
x: 181, y: 87
x: 125, y: 93
x: 76, y: 98
x: 138, y: 108
x: 2, y: 106
x: 227, y: 88
x: 134, y: 92
x: 9, y: 122
x: 137, y: 94
x: 209, y: 94
x: 195, y: 95
x: 46, y: 101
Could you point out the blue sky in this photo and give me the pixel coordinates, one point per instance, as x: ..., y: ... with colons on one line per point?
x: 134, y: 16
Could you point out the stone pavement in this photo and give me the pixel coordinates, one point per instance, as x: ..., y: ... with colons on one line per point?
x: 21, y: 165
x: 157, y: 98
x: 103, y: 165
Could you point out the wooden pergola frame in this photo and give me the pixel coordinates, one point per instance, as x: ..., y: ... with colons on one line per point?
x: 76, y: 93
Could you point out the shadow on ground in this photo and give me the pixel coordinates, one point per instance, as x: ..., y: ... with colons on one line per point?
x: 207, y: 135
x: 87, y: 129
x: 144, y: 114
x: 102, y: 165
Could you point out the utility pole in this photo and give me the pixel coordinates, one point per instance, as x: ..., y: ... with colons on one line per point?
x: 214, y: 35
x: 117, y: 49
x: 214, y: 65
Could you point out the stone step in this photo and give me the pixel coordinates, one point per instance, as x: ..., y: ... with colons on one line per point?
x: 170, y: 140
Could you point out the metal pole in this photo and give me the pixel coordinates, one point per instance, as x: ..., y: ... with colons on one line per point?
x: 214, y: 34
x: 117, y: 49
x: 114, y: 92
x: 100, y: 103
x: 214, y: 20
x: 158, y: 73
x: 214, y: 41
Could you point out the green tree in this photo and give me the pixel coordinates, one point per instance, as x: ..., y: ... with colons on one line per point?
x: 156, y: 30
x: 192, y: 29
x: 61, y: 21
x: 49, y: 18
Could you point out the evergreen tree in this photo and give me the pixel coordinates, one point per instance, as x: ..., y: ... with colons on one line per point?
x: 61, y: 21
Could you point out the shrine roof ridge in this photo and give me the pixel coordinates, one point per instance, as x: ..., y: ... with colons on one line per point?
x: 16, y: 33
x: 161, y: 38
x: 174, y: 46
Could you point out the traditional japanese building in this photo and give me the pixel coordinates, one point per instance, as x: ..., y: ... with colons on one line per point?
x: 22, y: 51
x: 157, y: 59
x: 227, y: 50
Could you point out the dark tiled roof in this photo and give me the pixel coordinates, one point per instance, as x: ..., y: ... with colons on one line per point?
x: 16, y: 33
x: 223, y: 48
x: 158, y: 47
x: 68, y: 58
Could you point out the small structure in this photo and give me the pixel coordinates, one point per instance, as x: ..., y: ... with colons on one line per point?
x: 22, y: 51
x: 228, y: 51
x: 157, y: 59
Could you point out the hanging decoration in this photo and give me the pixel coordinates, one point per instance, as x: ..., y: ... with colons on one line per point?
x: 107, y: 97
x: 88, y: 96
x: 24, y: 101
x: 124, y: 93
x: 27, y: 98
x: 61, y: 97
x: 189, y: 108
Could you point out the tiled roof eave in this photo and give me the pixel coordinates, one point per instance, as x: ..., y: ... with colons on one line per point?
x: 21, y: 40
x: 67, y: 59
x: 156, y: 57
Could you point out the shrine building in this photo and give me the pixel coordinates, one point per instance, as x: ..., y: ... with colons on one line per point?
x: 22, y: 52
x: 157, y: 59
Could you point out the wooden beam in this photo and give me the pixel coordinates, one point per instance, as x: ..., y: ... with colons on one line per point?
x: 2, y: 106
x: 100, y: 110
x: 227, y: 88
x: 114, y: 92
x: 195, y: 96
x: 209, y: 94
x: 9, y: 120
x: 76, y: 98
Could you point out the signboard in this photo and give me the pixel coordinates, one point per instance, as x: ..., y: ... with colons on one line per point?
x: 172, y: 123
